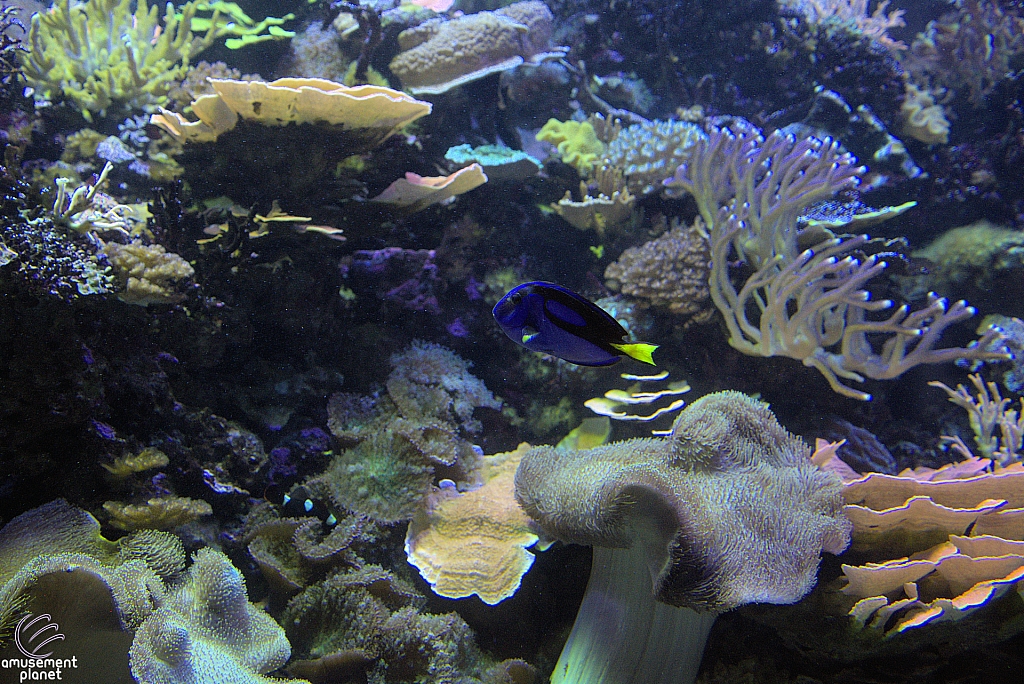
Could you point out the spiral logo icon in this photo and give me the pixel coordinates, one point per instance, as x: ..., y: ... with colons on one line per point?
x: 34, y: 633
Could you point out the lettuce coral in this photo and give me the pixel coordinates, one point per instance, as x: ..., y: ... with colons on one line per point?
x: 475, y: 543
x: 576, y: 141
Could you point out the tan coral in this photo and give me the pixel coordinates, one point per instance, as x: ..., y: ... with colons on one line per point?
x: 415, y: 192
x: 879, y: 491
x: 476, y: 542
x: 129, y: 464
x: 959, y: 572
x: 158, y: 513
x: 375, y: 112
x: 441, y: 54
x: 670, y: 271
x: 150, y: 272
x: 923, y: 119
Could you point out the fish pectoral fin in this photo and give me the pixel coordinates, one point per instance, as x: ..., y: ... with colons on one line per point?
x: 641, y: 351
x: 529, y: 337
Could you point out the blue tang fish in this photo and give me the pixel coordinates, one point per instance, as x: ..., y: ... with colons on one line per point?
x: 547, y: 318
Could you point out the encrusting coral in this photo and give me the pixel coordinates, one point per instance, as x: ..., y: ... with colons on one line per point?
x: 149, y: 272
x: 441, y: 53
x: 727, y: 510
x: 670, y: 271
x: 162, y: 513
x: 126, y: 465
x: 475, y: 542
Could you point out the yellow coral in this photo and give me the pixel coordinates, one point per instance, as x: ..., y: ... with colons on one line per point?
x: 923, y: 119
x: 150, y: 272
x: 475, y: 543
x: 156, y: 514
x: 148, y: 458
x: 100, y: 53
x: 576, y: 141
x: 372, y: 112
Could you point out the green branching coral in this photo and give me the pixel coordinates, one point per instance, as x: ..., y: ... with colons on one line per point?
x: 100, y: 54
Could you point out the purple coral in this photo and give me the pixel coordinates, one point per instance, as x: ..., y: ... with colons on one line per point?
x: 407, y: 277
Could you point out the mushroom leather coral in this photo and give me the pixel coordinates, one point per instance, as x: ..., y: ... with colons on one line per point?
x: 728, y: 510
x: 207, y: 631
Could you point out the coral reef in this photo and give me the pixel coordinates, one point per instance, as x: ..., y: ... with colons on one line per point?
x: 968, y: 50
x: 201, y: 625
x: 369, y: 113
x: 405, y: 443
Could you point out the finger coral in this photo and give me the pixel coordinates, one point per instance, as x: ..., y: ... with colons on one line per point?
x: 807, y: 302
x: 101, y: 54
x: 727, y: 510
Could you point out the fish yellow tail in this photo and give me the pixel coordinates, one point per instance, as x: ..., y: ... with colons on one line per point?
x: 641, y: 351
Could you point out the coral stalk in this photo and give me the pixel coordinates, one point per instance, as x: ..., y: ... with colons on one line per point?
x: 623, y: 635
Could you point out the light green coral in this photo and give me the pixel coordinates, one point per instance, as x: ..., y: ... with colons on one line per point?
x: 100, y: 54
x: 577, y: 143
x: 229, y: 19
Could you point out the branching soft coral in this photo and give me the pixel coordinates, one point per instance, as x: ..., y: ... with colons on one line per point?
x: 100, y: 54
